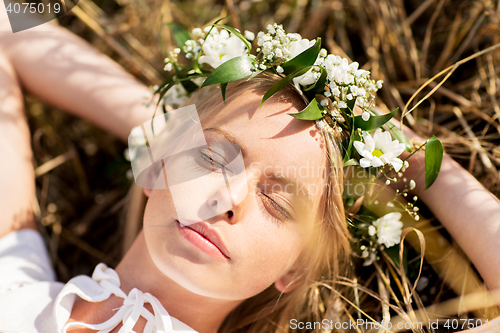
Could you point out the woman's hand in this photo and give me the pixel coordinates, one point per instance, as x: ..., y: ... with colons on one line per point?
x: 67, y: 72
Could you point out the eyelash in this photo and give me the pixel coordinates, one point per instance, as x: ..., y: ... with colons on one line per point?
x: 282, y: 211
x: 212, y: 164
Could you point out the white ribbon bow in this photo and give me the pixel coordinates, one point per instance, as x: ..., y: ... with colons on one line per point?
x: 104, y: 282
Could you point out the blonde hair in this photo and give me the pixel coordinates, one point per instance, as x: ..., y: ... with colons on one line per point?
x: 313, y: 300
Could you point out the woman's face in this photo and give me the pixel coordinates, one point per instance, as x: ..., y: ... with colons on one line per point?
x: 264, y: 234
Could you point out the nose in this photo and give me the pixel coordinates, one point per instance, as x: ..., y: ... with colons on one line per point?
x: 227, y: 198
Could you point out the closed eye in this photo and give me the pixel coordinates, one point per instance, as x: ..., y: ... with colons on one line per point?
x: 213, y: 160
x: 277, y: 212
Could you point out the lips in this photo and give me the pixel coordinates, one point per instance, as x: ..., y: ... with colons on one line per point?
x: 203, y: 230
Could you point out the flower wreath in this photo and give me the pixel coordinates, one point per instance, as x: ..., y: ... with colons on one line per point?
x: 333, y: 87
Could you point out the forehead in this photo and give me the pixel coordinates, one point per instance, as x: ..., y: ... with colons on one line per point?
x: 274, y: 140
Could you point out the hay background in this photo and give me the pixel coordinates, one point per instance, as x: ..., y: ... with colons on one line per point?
x: 83, y: 201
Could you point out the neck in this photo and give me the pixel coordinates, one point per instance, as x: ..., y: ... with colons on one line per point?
x: 137, y: 270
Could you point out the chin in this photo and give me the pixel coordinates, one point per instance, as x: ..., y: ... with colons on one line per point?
x: 205, y: 279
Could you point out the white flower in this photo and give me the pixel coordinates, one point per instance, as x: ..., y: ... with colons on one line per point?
x: 320, y: 124
x: 299, y: 46
x: 379, y: 150
x: 249, y: 35
x: 339, y: 70
x: 176, y: 96
x: 336, y: 91
x: 369, y: 257
x: 412, y: 184
x: 280, y: 69
x: 294, y: 36
x: 365, y: 116
x: 389, y: 229
x: 197, y: 32
x: 219, y: 47
x: 306, y: 79
x: 198, y: 81
x: 342, y: 104
x: 361, y: 73
x: 372, y: 230
x: 324, y: 103
x: 168, y: 67
x: 270, y: 28
x: 405, y: 165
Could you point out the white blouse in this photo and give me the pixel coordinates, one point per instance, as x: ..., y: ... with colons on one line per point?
x: 32, y: 302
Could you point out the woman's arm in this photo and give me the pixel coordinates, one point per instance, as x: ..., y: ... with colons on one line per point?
x: 469, y: 212
x: 67, y: 72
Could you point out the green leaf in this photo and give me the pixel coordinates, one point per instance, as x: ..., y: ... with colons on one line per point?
x: 232, y: 70
x: 313, y: 111
x: 237, y: 34
x: 189, y: 85
x: 304, y: 59
x: 212, y: 25
x: 180, y: 34
x: 350, y: 104
x: 352, y: 161
x: 374, y: 122
x: 319, y: 86
x: 164, y: 90
x: 282, y: 83
x: 352, y: 138
x: 433, y: 159
x: 398, y: 135
x: 393, y: 253
x: 254, y: 74
x: 223, y: 87
x: 183, y: 78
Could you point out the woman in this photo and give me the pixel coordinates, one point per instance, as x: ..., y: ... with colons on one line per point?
x: 260, y: 249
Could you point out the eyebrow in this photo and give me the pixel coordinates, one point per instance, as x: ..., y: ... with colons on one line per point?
x: 296, y: 186
x: 229, y: 137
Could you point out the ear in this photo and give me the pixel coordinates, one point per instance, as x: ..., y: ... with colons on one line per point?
x: 147, y: 191
x: 288, y: 282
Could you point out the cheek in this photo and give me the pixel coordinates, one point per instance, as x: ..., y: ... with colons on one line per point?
x: 267, y: 252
